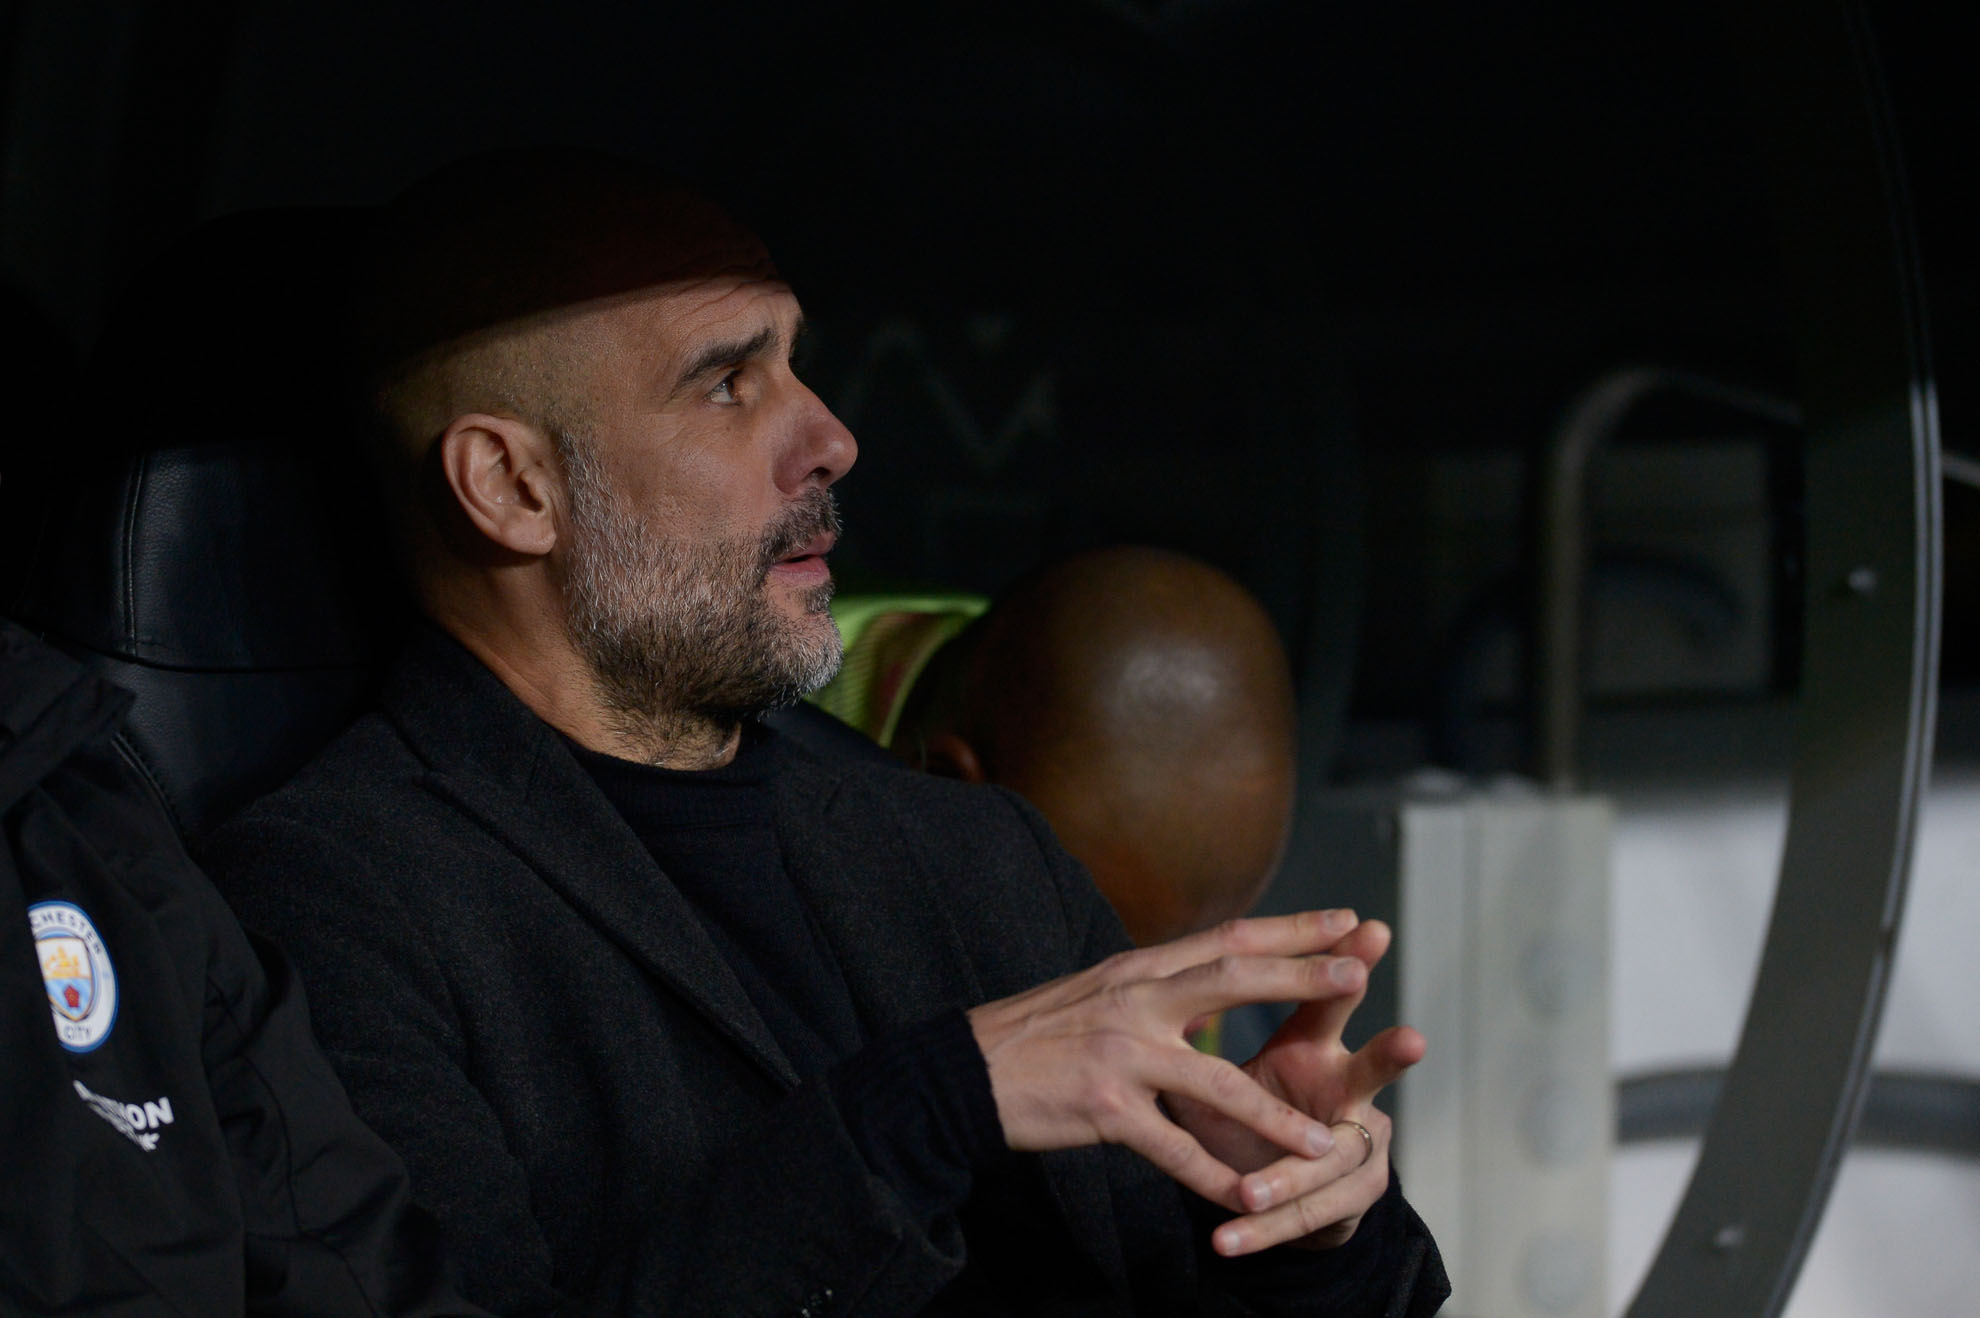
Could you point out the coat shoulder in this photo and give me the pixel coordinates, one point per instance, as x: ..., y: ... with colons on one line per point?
x: 966, y: 824
x: 995, y: 860
x: 353, y: 827
x: 369, y: 762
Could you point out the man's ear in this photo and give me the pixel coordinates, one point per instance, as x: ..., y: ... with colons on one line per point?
x: 947, y: 755
x: 502, y: 476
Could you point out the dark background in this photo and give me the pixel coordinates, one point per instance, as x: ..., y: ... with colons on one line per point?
x: 1299, y: 288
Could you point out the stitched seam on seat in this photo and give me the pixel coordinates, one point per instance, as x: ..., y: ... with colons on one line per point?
x: 138, y: 765
x: 134, y: 491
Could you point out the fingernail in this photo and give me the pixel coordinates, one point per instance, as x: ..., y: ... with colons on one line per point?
x: 1231, y: 1241
x: 1259, y: 1196
x: 1345, y: 972
x: 1319, y: 1139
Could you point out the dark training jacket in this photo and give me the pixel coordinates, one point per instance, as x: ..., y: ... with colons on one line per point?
x: 172, y: 1139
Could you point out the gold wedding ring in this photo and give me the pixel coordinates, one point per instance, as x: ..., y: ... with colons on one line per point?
x: 1366, y: 1139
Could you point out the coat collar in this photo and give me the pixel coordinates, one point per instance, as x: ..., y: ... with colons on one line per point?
x: 48, y: 707
x: 879, y: 910
x: 496, y: 761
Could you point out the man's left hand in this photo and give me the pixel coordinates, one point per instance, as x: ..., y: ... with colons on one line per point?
x: 1314, y: 1202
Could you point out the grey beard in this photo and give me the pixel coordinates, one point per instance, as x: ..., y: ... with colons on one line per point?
x: 679, y: 634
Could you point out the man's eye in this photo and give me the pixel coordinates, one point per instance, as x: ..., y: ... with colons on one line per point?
x: 725, y: 392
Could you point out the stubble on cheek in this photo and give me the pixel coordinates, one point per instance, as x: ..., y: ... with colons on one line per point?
x: 676, y: 630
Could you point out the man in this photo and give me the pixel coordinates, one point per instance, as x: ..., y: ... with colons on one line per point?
x: 667, y: 1015
x: 1141, y: 700
x: 175, y: 1142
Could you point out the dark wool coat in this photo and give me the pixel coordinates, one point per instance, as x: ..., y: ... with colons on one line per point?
x: 528, y: 1010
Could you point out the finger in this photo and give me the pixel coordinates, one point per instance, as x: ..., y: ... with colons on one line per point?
x: 1367, y: 942
x: 1225, y: 1088
x: 1176, y: 1152
x: 1378, y: 1063
x: 1319, y: 1021
x: 1301, y: 934
x: 1346, y: 1197
x: 1325, y: 1020
x: 1292, y: 1177
x: 1230, y: 980
x: 1358, y: 1137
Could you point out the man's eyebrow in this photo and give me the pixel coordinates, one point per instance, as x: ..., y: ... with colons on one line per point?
x: 714, y: 357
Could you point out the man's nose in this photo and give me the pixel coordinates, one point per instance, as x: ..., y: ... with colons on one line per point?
x: 822, y: 449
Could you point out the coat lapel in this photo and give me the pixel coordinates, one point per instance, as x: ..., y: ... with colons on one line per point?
x: 887, y: 923
x: 509, y: 771
x: 883, y: 918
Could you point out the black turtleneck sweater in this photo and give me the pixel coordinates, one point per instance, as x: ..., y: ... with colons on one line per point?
x: 917, y: 1101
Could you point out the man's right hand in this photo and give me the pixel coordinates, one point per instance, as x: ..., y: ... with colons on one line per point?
x: 1083, y: 1059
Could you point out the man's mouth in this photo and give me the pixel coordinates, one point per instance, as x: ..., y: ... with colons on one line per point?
x: 796, y: 548
x: 807, y: 559
x: 816, y: 547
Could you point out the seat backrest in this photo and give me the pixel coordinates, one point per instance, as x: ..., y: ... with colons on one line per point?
x: 217, y: 549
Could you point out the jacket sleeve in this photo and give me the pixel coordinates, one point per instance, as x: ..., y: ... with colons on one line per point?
x: 329, y: 1222
x: 261, y: 1192
x: 787, y: 1218
x: 52, y: 1256
x: 1391, y: 1267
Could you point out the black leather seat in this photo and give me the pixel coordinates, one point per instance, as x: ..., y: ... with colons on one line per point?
x: 217, y: 548
x: 220, y: 551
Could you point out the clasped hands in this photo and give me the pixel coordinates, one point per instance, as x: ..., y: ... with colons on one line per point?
x: 1100, y: 1057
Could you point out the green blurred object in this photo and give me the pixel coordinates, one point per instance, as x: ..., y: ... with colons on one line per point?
x: 889, y: 639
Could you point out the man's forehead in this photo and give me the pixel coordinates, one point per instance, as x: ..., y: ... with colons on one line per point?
x: 736, y: 302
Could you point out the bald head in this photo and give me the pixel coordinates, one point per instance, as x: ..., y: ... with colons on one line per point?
x: 491, y: 283
x: 499, y: 286
x: 1141, y: 700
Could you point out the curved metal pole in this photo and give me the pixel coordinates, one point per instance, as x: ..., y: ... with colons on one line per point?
x: 1958, y: 467
x: 1863, y: 744
x: 1560, y: 614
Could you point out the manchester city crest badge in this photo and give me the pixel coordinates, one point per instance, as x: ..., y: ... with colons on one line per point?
x: 82, y: 984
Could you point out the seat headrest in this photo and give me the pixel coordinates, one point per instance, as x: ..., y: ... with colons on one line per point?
x: 220, y: 512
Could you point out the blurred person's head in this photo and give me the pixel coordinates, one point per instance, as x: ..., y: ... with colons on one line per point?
x: 614, y: 489
x: 1142, y: 701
